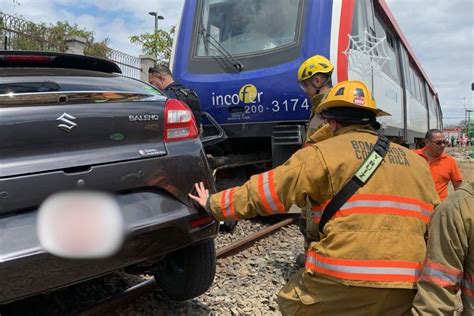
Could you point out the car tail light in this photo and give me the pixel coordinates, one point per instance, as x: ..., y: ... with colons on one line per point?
x: 201, y: 221
x: 179, y: 122
x: 27, y: 58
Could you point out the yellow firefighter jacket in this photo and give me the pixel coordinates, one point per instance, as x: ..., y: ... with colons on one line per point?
x: 449, y: 264
x: 376, y: 239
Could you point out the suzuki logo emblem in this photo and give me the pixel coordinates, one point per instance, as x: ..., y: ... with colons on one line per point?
x: 67, y: 123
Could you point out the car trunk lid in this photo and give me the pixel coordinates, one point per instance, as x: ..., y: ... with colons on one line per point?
x: 74, y: 130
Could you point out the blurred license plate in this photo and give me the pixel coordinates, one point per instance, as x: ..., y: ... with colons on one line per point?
x: 80, y: 225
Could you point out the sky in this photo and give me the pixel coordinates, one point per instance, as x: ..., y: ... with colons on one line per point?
x: 440, y: 32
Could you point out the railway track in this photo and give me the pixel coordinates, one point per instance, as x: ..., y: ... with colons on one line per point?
x: 130, y: 294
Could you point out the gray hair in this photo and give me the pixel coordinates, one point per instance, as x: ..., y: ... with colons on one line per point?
x: 161, y: 69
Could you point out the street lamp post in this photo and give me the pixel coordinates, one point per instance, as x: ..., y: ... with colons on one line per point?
x: 157, y: 17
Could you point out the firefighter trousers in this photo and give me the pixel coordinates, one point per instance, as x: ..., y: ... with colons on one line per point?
x: 313, y: 295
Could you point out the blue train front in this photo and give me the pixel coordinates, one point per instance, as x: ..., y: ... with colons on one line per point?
x: 265, y: 39
x: 242, y: 56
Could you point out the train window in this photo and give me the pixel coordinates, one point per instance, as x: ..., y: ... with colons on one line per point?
x: 359, y: 22
x: 433, y: 110
x: 391, y: 66
x: 390, y: 41
x: 421, y: 97
x: 252, y: 34
x: 412, y: 80
x: 417, y: 86
x: 369, y: 11
x: 431, y: 103
x: 423, y: 91
x: 247, y: 26
x: 405, y: 68
x: 363, y: 18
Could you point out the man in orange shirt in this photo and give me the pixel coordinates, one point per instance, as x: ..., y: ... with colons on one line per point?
x: 443, y: 167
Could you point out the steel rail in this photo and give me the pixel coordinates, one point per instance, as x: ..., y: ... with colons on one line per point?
x: 247, y: 242
x: 111, y: 303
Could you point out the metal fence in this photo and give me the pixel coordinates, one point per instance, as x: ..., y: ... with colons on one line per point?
x: 19, y: 34
x: 130, y: 65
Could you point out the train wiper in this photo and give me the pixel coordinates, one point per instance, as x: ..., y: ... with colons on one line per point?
x: 208, y: 39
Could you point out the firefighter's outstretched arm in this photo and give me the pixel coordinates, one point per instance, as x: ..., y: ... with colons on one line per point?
x: 271, y: 192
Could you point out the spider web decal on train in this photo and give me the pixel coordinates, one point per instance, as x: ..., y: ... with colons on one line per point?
x: 366, y: 53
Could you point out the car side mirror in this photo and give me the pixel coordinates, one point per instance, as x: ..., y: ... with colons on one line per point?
x: 80, y: 225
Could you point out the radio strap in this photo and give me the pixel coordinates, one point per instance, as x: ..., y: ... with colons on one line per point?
x: 358, y: 180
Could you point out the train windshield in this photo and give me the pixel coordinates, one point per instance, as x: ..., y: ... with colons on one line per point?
x: 242, y: 27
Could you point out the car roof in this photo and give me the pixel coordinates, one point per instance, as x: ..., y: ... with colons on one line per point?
x: 37, y: 59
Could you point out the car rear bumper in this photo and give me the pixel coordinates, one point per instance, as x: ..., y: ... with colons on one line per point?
x: 157, y: 224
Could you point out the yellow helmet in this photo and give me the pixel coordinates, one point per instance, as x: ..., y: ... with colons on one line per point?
x: 313, y: 65
x: 350, y: 93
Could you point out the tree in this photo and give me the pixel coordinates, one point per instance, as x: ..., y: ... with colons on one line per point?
x: 59, y: 32
x: 157, y: 44
x: 24, y: 35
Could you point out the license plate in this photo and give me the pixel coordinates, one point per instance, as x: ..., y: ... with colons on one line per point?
x: 82, y: 224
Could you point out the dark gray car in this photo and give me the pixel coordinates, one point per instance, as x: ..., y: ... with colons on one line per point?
x: 71, y: 122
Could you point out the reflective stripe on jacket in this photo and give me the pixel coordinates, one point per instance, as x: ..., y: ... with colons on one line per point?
x: 385, y: 222
x: 468, y: 287
x: 442, y: 275
x: 364, y: 270
x: 449, y: 264
x: 377, y: 204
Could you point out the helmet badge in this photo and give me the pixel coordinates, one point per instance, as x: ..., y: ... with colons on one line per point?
x: 359, y: 100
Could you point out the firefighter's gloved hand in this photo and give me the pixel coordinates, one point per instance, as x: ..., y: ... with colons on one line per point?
x: 202, y: 196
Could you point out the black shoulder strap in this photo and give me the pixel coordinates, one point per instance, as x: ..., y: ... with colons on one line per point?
x: 182, y: 90
x: 359, y: 179
x: 177, y: 89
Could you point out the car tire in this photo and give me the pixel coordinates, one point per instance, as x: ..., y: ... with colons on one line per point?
x: 188, y: 272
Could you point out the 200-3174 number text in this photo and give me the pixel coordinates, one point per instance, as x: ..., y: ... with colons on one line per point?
x: 290, y: 105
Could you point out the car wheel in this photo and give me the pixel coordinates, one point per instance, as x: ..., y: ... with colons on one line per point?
x: 188, y: 272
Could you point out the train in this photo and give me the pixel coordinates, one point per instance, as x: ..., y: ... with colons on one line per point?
x: 242, y: 56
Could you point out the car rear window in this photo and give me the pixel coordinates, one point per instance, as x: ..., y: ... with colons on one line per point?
x: 37, y: 81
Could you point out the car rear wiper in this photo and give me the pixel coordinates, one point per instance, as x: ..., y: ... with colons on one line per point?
x: 209, y: 39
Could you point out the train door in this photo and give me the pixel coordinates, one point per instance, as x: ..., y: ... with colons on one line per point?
x: 416, y: 106
x: 387, y: 79
x: 359, y: 52
x: 373, y: 57
x: 433, y: 120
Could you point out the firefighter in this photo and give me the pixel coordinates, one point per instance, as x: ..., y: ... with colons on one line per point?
x: 314, y: 77
x: 370, y: 252
x: 449, y: 263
